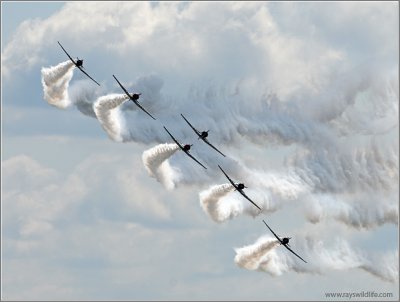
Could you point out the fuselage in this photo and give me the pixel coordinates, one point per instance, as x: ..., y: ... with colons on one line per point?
x: 186, y: 147
x: 135, y: 96
x: 204, y: 134
x: 285, y: 240
x: 79, y: 63
x: 240, y: 186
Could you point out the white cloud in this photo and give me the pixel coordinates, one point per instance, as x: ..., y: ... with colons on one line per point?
x: 37, y: 198
x: 23, y: 173
x: 227, y: 41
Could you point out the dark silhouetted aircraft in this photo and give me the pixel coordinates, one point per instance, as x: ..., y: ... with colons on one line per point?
x: 133, y: 97
x: 202, y: 135
x: 78, y: 63
x: 239, y: 187
x: 284, y: 241
x: 185, y: 148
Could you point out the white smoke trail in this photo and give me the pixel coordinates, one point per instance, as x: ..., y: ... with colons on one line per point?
x: 388, y: 268
x: 250, y: 257
x: 108, y: 113
x: 229, y: 118
x: 210, y: 201
x: 55, y: 81
x: 269, y: 119
x: 264, y: 256
x: 156, y: 164
x: 286, y: 186
x: 370, y: 168
x: 363, y: 212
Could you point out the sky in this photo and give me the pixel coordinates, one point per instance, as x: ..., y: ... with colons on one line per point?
x: 98, y: 204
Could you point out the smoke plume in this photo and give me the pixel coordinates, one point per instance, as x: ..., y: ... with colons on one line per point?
x: 55, y: 81
x: 156, y: 163
x: 108, y: 114
x: 250, y: 257
x: 210, y: 201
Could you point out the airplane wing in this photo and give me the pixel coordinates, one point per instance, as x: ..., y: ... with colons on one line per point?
x: 208, y: 143
x: 191, y: 156
x: 273, y: 232
x: 87, y: 75
x: 194, y: 129
x: 180, y: 146
x: 137, y: 104
x: 127, y: 93
x: 245, y: 196
x: 230, y: 180
x: 123, y: 88
x: 66, y: 53
x: 294, y: 252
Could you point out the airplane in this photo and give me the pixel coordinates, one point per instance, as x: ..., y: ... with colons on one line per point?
x: 239, y: 187
x: 202, y: 135
x: 133, y: 97
x: 185, y: 149
x: 78, y: 63
x: 284, y: 241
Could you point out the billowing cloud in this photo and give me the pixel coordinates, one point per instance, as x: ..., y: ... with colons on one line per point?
x: 37, y: 198
x: 282, y: 63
